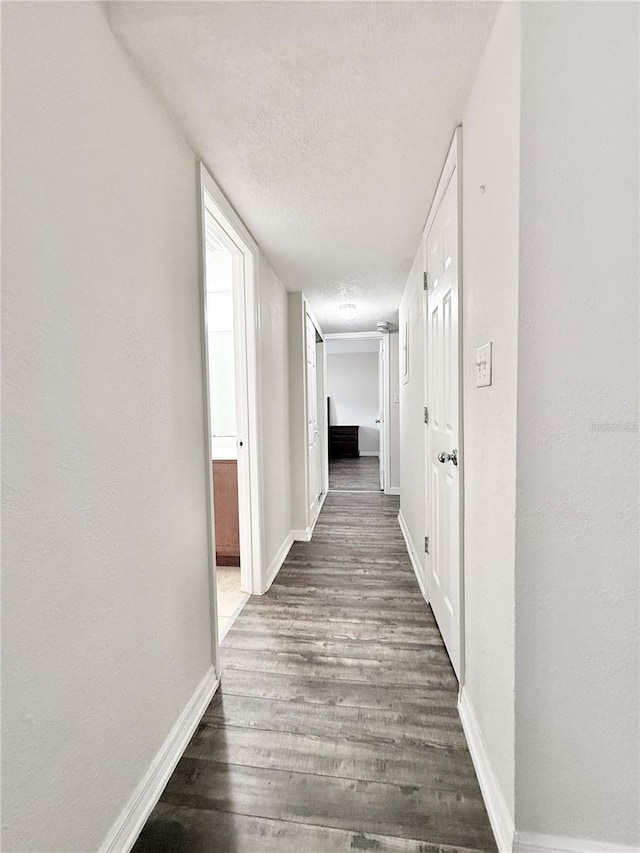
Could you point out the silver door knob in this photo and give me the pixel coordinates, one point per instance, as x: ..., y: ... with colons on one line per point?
x: 448, y: 457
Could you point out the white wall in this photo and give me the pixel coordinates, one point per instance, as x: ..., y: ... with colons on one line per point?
x: 274, y: 381
x: 105, y: 525
x: 221, y: 352
x: 105, y: 605
x: 577, y: 560
x: 352, y: 386
x: 412, y: 427
x: 491, y: 144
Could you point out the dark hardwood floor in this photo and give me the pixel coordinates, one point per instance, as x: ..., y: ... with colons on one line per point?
x: 359, y: 474
x: 335, y: 727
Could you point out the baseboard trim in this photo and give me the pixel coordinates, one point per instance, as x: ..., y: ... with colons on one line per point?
x: 129, y: 824
x: 369, y: 453
x: 276, y: 564
x: 413, y: 555
x: 301, y: 535
x: 392, y: 490
x: 306, y: 534
x: 531, y: 842
x: 497, y: 809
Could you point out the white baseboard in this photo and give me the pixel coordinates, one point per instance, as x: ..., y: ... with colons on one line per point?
x: 530, y: 842
x: 497, y: 809
x: 125, y: 830
x: 278, y: 560
x: 392, y: 490
x: 413, y: 555
x: 369, y: 453
x: 301, y: 535
x: 306, y: 534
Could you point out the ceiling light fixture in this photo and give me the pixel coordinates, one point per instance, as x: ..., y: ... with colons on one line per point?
x: 347, y: 310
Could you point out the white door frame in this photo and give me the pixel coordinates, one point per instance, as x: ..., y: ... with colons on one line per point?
x: 386, y: 381
x: 247, y: 391
x: 453, y: 164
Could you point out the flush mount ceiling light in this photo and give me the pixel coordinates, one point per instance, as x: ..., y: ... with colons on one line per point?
x: 347, y: 310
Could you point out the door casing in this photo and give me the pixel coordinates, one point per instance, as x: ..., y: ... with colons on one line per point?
x: 246, y: 336
x: 386, y: 380
x: 452, y: 170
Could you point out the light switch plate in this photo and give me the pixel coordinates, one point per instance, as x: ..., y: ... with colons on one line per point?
x: 483, y: 365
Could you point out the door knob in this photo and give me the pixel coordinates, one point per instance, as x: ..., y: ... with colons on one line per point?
x: 448, y: 457
x: 377, y: 420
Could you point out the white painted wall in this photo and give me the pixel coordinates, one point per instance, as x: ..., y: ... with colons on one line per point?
x: 491, y: 143
x: 577, y: 560
x: 221, y: 352
x: 105, y: 525
x: 352, y: 386
x: 105, y: 604
x: 412, y: 427
x: 274, y: 381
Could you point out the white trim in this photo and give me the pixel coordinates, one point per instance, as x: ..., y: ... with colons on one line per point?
x: 413, y: 555
x: 386, y: 402
x: 497, y: 809
x: 306, y: 534
x: 125, y: 830
x: 278, y: 560
x: 531, y: 842
x: 392, y: 490
x: 452, y: 169
x: 337, y: 336
x: 248, y: 379
x: 301, y: 535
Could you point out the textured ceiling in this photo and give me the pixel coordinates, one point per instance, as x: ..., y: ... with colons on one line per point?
x: 326, y: 124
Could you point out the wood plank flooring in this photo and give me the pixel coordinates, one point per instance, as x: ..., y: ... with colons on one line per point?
x: 335, y: 728
x: 361, y: 474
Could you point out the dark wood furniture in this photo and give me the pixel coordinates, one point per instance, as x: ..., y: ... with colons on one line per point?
x: 225, y: 500
x: 343, y: 441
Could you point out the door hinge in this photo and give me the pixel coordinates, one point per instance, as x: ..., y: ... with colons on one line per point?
x: 426, y: 415
x: 426, y: 544
x: 425, y: 280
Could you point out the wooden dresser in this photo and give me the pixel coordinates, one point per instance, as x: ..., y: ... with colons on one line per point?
x: 343, y: 441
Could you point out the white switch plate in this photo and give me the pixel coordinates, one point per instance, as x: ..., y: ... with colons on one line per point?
x: 483, y: 365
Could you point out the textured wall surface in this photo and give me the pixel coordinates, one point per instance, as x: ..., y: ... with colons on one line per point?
x: 577, y: 631
x: 491, y: 147
x: 105, y: 591
x: 326, y: 123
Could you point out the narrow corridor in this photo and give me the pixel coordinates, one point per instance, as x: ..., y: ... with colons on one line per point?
x: 335, y: 727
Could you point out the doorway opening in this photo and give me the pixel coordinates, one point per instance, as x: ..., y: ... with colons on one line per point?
x: 228, y: 342
x: 358, y: 382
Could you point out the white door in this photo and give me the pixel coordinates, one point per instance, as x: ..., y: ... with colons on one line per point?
x: 443, y: 464
x: 380, y: 421
x: 313, y: 432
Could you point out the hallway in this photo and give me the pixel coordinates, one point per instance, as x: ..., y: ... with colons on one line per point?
x: 335, y: 727
x: 354, y: 475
